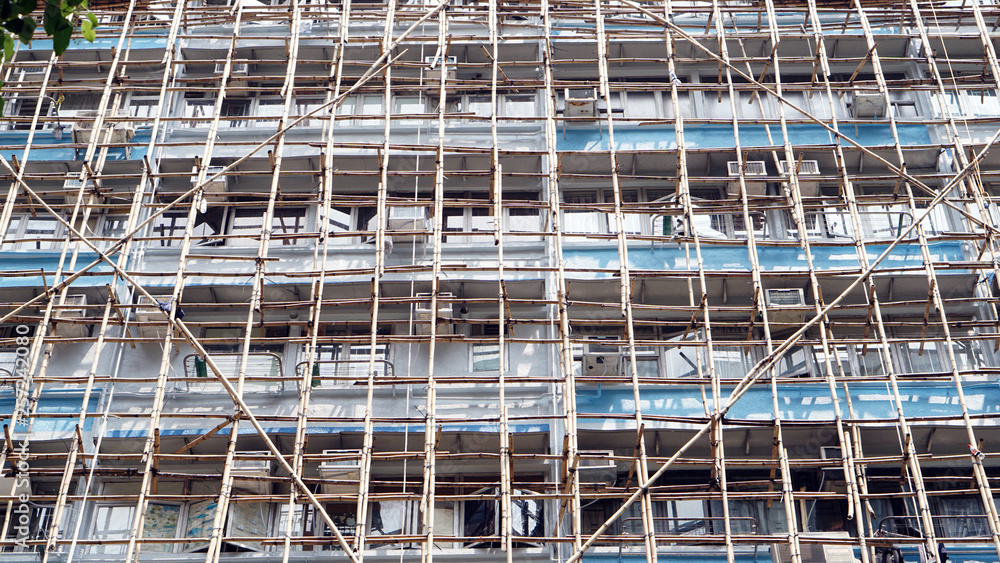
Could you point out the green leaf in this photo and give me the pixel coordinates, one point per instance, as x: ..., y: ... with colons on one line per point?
x: 28, y: 31
x: 50, y: 18
x: 8, y: 46
x: 6, y: 10
x: 14, y: 26
x: 92, y: 18
x: 60, y: 39
x: 25, y: 6
x: 87, y: 29
x: 1, y: 103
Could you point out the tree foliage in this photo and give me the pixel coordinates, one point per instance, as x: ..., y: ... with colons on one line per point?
x: 58, y: 19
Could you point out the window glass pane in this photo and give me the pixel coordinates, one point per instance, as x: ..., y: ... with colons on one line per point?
x: 247, y: 223
x: 340, y: 219
x: 485, y: 357
x: 40, y: 232
x: 391, y: 518
x: 480, y: 105
x: 287, y: 221
x: 112, y: 523
x: 160, y: 522
x: 199, y: 112
x: 408, y: 105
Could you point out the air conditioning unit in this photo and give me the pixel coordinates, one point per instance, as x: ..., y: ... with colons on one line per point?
x: 868, y: 104
x: 408, y: 219
x: 83, y: 131
x: 251, y: 474
x: 786, y: 306
x: 425, y: 315
x: 602, y: 364
x: 346, y: 469
x: 580, y: 102
x: 76, y: 308
x: 839, y: 552
x: 213, y: 188
x: 434, y: 73
x: 751, y: 169
x: 599, y: 470
x: 148, y: 312
x: 806, y: 168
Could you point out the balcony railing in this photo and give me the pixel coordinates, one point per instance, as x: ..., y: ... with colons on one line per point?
x: 338, y: 373
x: 263, y: 371
x: 945, y: 526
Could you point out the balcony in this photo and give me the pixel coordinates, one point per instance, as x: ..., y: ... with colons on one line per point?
x: 339, y: 373
x: 263, y: 372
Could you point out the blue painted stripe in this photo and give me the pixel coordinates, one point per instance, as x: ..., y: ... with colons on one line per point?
x: 61, y: 401
x: 710, y: 136
x: 807, y: 401
x: 670, y: 256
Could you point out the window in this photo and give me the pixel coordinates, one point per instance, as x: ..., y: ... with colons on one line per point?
x: 235, y: 107
x: 361, y: 104
x: 305, y: 105
x: 143, y: 107
x: 287, y: 221
x: 481, y: 518
x: 114, y: 522
x: 269, y: 111
x: 21, y: 111
x: 346, y: 360
x: 169, y: 227
x: 582, y: 217
x: 198, y: 110
x: 970, y: 103
x: 486, y: 357
x: 348, y: 220
x: 27, y: 233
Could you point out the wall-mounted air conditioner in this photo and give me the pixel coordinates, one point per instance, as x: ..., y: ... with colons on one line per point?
x: 215, y: 190
x: 433, y: 72
x: 580, y: 102
x: 251, y: 474
x: 408, y: 219
x: 602, y: 364
x: 809, y: 187
x: 75, y: 307
x: 600, y: 468
x: 148, y: 312
x: 443, y: 316
x: 786, y: 306
x: 83, y: 131
x: 868, y: 104
x: 752, y: 169
x: 346, y: 468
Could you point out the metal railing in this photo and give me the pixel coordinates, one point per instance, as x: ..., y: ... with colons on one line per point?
x: 338, y: 373
x: 945, y: 526
x: 263, y: 371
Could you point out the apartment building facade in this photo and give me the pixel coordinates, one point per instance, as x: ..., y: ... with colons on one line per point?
x: 504, y: 281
